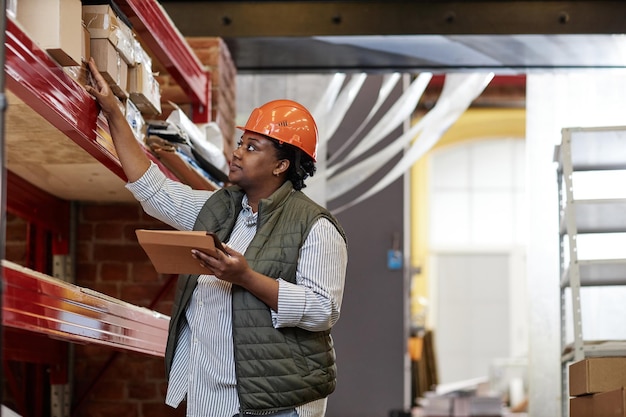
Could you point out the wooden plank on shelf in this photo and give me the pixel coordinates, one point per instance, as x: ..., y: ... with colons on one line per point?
x: 41, y: 304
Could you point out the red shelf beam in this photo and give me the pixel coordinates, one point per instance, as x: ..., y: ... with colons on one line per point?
x: 44, y: 305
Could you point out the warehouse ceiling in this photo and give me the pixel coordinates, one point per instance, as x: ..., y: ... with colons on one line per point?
x: 379, y: 36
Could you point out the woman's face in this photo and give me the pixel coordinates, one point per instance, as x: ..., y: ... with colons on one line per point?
x: 254, y: 161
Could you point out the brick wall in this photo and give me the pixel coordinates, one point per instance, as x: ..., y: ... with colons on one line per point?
x: 109, y: 383
x: 110, y: 260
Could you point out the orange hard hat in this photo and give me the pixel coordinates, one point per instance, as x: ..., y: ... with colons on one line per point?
x: 287, y: 122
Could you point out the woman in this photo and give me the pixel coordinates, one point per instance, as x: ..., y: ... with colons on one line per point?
x: 252, y: 336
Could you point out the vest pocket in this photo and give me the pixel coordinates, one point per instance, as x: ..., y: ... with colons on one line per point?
x: 297, y: 354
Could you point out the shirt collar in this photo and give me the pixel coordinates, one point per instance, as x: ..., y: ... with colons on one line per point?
x: 249, y: 216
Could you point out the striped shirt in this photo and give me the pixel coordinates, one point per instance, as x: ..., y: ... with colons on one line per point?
x: 203, y: 369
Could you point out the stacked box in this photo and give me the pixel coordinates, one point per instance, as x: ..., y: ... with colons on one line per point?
x: 80, y: 73
x: 110, y: 64
x: 55, y: 25
x: 111, y: 44
x: 596, y: 386
x: 85, y: 44
x: 610, y: 403
x: 102, y: 23
x: 144, y: 90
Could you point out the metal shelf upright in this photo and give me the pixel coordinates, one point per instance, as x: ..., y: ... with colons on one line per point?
x: 585, y: 150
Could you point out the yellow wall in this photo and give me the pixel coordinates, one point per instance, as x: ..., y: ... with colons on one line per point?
x: 496, y: 123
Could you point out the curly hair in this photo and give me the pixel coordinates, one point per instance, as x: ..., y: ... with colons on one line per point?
x: 301, y: 165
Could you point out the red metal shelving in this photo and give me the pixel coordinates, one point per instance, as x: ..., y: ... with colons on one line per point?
x: 38, y: 303
x: 38, y: 81
x: 41, y: 305
x: 43, y: 314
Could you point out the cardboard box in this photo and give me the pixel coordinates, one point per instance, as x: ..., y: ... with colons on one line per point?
x: 80, y: 73
x: 610, y: 404
x: 56, y: 26
x: 103, y: 23
x: 85, y: 44
x: 144, y: 90
x: 112, y: 67
x: 581, y: 406
x: 593, y: 375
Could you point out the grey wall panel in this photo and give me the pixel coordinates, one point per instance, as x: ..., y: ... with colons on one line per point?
x: 370, y: 335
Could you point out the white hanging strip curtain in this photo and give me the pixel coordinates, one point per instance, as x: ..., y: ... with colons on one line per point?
x: 458, y: 93
x: 328, y: 113
x: 388, y: 84
x: 354, y: 175
x: 327, y: 101
x: 397, y: 114
x: 350, y: 177
x: 342, y: 105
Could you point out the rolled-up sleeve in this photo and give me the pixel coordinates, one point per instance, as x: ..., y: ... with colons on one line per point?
x: 314, y: 301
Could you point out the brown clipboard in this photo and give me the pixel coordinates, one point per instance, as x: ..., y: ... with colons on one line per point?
x: 170, y: 250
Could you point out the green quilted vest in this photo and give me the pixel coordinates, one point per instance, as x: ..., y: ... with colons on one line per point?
x: 276, y: 368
